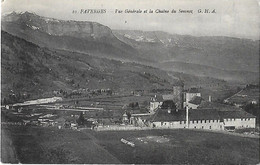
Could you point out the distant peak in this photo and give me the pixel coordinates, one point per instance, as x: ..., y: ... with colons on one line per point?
x: 20, y: 13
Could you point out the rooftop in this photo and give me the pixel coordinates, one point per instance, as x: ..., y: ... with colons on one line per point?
x: 167, y: 97
x: 157, y: 98
x: 235, y: 114
x: 193, y: 90
x: 194, y: 114
x: 196, y: 100
x: 162, y: 115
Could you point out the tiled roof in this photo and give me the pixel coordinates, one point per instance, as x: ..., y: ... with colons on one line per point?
x: 196, y: 100
x: 157, y: 98
x: 179, y: 83
x: 198, y: 114
x: 203, y: 114
x: 235, y: 114
x: 194, y: 114
x: 193, y: 90
x: 167, y: 97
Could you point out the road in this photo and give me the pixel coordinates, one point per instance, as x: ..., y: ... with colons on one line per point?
x: 234, y: 94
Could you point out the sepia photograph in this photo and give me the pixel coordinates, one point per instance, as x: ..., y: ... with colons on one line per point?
x: 130, y: 82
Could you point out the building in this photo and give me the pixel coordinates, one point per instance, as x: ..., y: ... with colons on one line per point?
x: 155, y: 103
x: 214, y: 119
x: 125, y: 118
x: 178, y: 95
x: 198, y: 114
x: 168, y: 97
x: 192, y: 98
x: 237, y: 119
x: 188, y: 118
x: 194, y: 102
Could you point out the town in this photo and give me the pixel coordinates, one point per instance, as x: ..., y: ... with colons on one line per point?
x: 129, y: 83
x: 181, y: 108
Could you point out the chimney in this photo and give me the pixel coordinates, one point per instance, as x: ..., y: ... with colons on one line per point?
x: 187, y: 117
x: 209, y: 98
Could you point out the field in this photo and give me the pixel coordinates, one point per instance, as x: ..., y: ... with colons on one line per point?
x: 246, y: 95
x: 50, y: 145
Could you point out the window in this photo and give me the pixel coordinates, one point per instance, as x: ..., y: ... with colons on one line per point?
x: 193, y: 121
x: 209, y: 121
x: 195, y: 127
x: 204, y: 121
x: 209, y: 127
x: 201, y: 121
x: 202, y: 127
x: 180, y: 122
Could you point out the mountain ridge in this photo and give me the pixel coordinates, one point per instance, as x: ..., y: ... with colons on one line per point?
x: 144, y: 47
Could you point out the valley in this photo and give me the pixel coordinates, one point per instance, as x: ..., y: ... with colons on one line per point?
x: 81, y: 92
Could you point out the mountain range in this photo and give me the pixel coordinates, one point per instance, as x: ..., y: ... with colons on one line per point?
x: 46, y: 53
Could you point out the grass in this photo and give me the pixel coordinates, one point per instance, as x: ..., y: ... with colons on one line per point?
x: 245, y: 96
x: 50, y: 145
x: 185, y: 146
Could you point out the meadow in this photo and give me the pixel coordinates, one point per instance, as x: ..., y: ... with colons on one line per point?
x: 51, y: 145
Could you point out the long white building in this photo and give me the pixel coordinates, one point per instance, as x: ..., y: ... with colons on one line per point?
x: 203, y: 119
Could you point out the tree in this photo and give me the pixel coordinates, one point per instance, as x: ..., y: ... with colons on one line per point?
x: 81, y: 119
x: 136, y: 105
x: 4, y: 101
x: 168, y: 104
x: 145, y: 103
x: 128, y: 115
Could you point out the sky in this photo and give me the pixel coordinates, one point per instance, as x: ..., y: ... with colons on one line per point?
x: 233, y: 18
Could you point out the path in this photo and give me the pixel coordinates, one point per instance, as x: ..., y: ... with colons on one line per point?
x: 234, y: 94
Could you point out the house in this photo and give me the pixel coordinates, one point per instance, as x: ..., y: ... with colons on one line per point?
x: 194, y: 102
x: 140, y: 120
x: 253, y: 102
x: 167, y: 97
x: 155, y: 103
x: 189, y: 96
x: 125, y: 118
